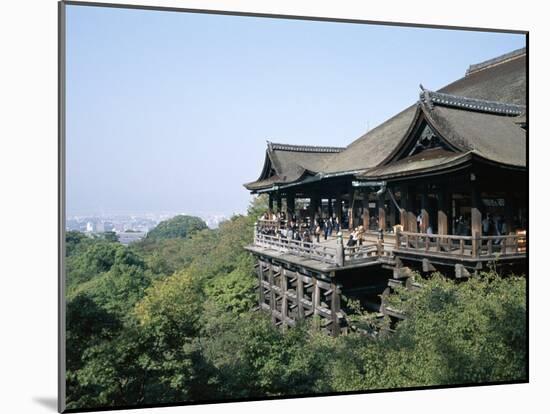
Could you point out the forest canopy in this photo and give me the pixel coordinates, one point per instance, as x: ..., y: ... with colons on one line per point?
x: 179, y: 227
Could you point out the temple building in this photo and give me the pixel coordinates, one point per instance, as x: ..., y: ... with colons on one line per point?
x: 442, y: 185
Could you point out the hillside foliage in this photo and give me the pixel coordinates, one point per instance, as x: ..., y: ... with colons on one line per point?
x: 171, y: 319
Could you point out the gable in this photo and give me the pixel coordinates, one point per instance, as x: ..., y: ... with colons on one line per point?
x: 421, y: 137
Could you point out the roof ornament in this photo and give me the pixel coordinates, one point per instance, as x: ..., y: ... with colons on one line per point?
x: 425, y: 97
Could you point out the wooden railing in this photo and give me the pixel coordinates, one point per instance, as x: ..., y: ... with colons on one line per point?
x: 338, y: 255
x: 308, y: 250
x: 450, y: 246
x: 462, y: 246
x: 366, y: 252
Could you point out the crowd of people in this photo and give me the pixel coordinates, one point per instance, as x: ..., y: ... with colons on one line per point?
x: 307, y: 230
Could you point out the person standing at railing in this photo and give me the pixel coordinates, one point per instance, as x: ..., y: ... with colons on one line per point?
x: 326, y: 228
x: 318, y: 232
x: 500, y: 228
x: 486, y: 225
x: 290, y: 233
x: 360, y: 233
x: 306, y: 237
x: 352, y: 239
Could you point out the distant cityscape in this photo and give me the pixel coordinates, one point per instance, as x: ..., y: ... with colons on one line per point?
x: 131, y: 227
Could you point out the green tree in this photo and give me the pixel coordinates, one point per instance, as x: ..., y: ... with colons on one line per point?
x: 454, y: 333
x: 177, y: 227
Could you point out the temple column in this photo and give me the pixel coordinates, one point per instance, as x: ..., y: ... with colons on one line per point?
x: 424, y: 213
x: 403, y: 215
x: 411, y: 214
x: 350, y: 208
x: 381, y: 212
x: 442, y: 212
x: 270, y: 206
x: 330, y: 209
x: 393, y: 213
x: 339, y: 209
x: 509, y: 213
x: 313, y: 205
x: 279, y: 203
x: 366, y: 216
x: 319, y: 210
x: 290, y: 205
x: 476, y: 218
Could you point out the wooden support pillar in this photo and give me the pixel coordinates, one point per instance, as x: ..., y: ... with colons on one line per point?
x: 335, y: 308
x: 366, y: 216
x: 330, y: 209
x: 351, y: 193
x: 403, y: 219
x: 319, y: 210
x: 271, y: 293
x: 476, y: 219
x: 316, y: 301
x: 509, y: 213
x: 443, y: 208
x: 313, y: 205
x: 279, y: 203
x: 261, y: 284
x: 290, y: 205
x: 284, y: 299
x: 393, y: 213
x: 339, y: 210
x: 381, y: 212
x: 404, y: 200
x: 300, y: 295
x: 411, y: 216
x: 340, y: 257
x: 270, y: 206
x: 424, y: 213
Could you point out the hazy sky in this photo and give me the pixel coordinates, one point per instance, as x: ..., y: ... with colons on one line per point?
x: 171, y: 111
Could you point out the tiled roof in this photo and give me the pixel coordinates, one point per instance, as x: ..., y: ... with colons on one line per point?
x: 495, y: 61
x: 302, y: 148
x: 430, y: 98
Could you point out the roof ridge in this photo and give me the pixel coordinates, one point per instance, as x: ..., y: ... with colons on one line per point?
x: 431, y: 98
x: 303, y: 148
x: 495, y: 61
